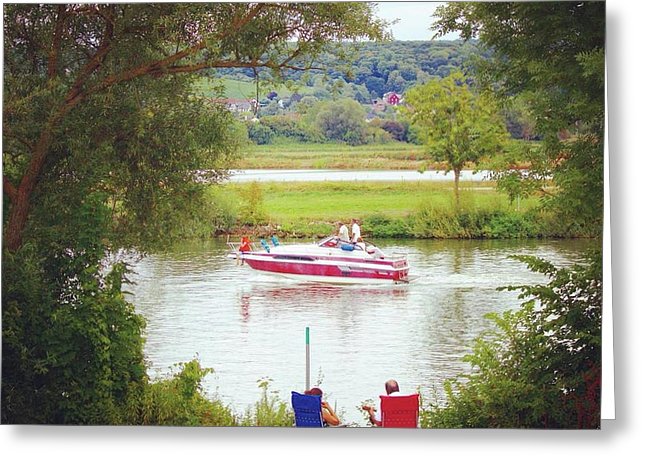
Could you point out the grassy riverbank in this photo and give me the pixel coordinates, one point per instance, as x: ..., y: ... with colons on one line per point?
x: 386, y: 210
x: 340, y: 156
x: 391, y: 156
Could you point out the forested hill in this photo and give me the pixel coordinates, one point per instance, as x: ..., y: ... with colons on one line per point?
x: 376, y: 68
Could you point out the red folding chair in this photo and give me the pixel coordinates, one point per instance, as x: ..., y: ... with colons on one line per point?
x: 400, y: 411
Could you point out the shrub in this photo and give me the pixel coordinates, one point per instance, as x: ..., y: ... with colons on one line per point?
x: 381, y: 226
x: 269, y: 410
x: 179, y: 400
x: 539, y: 367
x: 252, y: 211
x: 260, y: 133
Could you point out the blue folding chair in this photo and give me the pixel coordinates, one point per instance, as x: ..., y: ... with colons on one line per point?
x: 307, y: 410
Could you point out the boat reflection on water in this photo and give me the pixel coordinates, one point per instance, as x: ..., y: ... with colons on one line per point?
x: 314, y: 298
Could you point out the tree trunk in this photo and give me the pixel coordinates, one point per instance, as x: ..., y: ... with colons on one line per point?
x: 20, y: 197
x: 17, y: 221
x: 456, y: 185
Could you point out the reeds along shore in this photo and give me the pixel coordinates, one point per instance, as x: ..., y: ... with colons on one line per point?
x: 385, y: 209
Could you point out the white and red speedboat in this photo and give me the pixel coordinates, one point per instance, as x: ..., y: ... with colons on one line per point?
x: 330, y: 260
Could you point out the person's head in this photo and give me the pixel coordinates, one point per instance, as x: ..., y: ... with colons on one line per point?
x: 392, y: 386
x: 314, y: 391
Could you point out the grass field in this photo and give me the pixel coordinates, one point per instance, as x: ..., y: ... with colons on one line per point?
x: 239, y: 89
x: 391, y: 156
x: 395, y: 208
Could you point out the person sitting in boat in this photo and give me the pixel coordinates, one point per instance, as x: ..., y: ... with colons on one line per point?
x: 343, y: 232
x: 329, y: 416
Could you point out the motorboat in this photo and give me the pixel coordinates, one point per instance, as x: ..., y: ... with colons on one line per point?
x: 330, y: 260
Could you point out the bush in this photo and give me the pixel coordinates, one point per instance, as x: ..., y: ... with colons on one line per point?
x: 270, y: 410
x: 260, y: 133
x: 179, y: 400
x: 293, y: 128
x: 540, y: 367
x: 381, y: 226
x: 252, y: 211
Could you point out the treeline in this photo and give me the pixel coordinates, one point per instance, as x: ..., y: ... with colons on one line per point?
x: 344, y: 120
x: 378, y: 68
x: 367, y: 74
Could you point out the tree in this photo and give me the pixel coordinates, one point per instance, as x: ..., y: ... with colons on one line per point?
x: 456, y: 124
x: 343, y: 120
x: 553, y: 54
x: 104, y: 147
x: 540, y: 366
x: 60, y: 59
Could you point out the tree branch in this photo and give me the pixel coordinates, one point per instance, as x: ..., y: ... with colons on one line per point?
x: 52, y: 61
x: 97, y: 60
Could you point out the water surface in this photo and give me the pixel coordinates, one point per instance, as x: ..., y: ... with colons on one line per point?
x: 249, y: 325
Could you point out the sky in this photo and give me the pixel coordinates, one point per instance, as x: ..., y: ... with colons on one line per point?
x: 415, y: 19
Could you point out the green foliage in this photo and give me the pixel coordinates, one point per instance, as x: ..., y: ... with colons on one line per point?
x: 342, y: 120
x: 270, y: 410
x: 72, y: 345
x: 179, y: 400
x: 540, y: 367
x: 293, y: 128
x: 457, y: 125
x: 252, y: 210
x: 259, y: 133
x: 551, y: 54
x: 382, y: 226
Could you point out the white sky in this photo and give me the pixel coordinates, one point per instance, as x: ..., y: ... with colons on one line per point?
x: 415, y: 19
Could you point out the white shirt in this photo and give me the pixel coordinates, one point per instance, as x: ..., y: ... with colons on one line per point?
x: 343, y: 233
x: 356, y: 232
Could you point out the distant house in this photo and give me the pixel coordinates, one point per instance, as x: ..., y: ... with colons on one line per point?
x: 392, y: 98
x: 238, y: 105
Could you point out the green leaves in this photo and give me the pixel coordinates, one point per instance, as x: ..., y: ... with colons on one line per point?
x: 537, y: 367
x: 552, y: 55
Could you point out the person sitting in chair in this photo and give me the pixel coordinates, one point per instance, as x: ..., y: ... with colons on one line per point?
x: 329, y: 416
x: 392, y: 389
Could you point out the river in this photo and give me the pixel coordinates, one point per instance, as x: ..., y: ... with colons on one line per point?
x: 249, y: 326
x: 240, y: 176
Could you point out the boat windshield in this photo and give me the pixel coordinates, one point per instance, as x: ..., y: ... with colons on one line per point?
x: 334, y: 242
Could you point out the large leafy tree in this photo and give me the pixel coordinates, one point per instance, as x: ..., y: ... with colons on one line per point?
x: 104, y: 146
x: 69, y: 65
x: 542, y: 366
x: 551, y: 53
x: 457, y: 124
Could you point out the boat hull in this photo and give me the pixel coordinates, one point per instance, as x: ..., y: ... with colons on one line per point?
x: 336, y: 271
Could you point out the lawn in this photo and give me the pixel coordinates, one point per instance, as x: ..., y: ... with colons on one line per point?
x: 331, y: 201
x: 392, y: 156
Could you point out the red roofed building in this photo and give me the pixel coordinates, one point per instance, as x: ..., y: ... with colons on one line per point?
x: 393, y: 98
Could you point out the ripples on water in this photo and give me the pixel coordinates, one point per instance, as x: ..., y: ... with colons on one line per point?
x: 249, y: 325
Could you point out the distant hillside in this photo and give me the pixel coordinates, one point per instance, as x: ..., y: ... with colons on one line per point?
x: 371, y: 69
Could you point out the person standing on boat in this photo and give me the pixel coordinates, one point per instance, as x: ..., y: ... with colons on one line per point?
x: 327, y: 412
x: 343, y: 233
x: 356, y: 231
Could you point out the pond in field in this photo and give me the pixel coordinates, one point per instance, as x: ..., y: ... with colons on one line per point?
x: 248, y: 325
x: 352, y: 175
